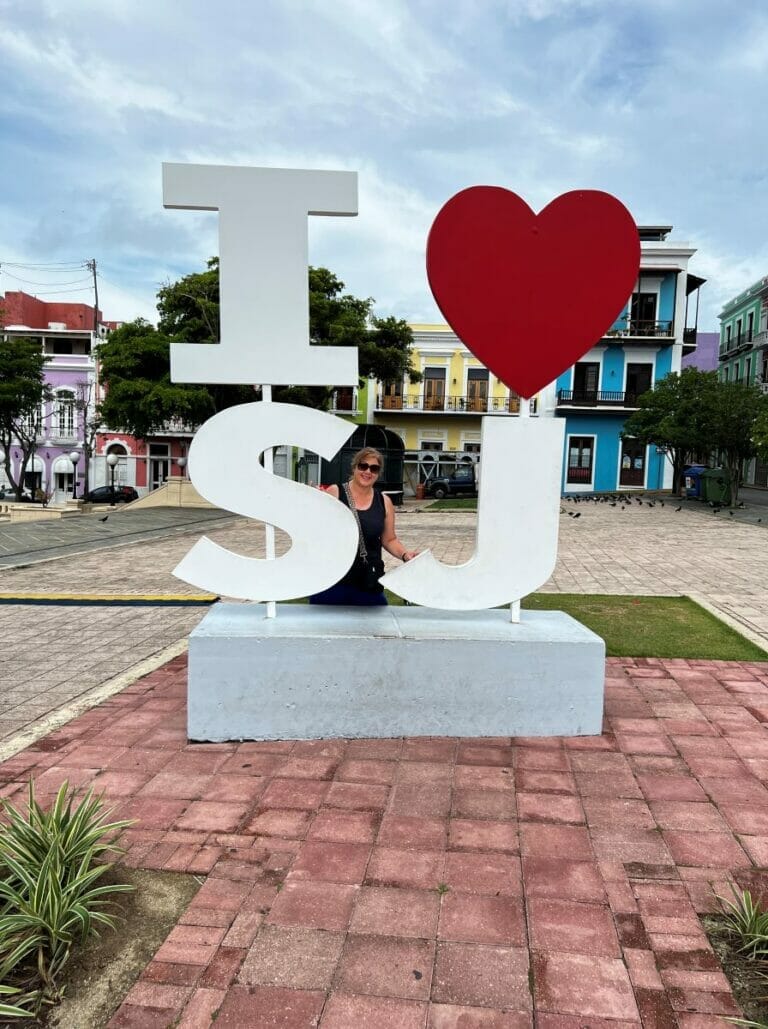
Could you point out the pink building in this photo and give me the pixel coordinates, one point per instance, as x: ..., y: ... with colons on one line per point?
x: 68, y: 334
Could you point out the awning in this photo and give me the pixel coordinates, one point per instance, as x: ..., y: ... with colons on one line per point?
x: 693, y: 282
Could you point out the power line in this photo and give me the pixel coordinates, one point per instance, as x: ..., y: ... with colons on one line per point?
x: 33, y: 282
x: 61, y: 266
x: 54, y: 292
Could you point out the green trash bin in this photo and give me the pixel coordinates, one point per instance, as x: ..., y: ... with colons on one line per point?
x: 715, y: 486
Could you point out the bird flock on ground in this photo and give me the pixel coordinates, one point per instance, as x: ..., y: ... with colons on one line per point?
x: 623, y: 501
x: 619, y: 500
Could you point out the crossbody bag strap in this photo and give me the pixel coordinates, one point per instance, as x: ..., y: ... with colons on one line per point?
x: 361, y: 548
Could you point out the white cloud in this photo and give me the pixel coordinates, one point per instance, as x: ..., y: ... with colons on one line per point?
x: 422, y: 98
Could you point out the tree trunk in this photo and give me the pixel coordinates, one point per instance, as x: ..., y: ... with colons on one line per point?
x: 87, y: 450
x: 678, y: 460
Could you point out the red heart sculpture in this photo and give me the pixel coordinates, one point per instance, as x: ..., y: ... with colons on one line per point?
x: 530, y: 294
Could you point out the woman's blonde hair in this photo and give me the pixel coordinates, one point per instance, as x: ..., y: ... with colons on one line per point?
x: 364, y: 454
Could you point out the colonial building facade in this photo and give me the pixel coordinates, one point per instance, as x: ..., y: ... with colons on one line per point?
x: 743, y: 355
x: 439, y: 417
x: 67, y: 334
x: 744, y: 336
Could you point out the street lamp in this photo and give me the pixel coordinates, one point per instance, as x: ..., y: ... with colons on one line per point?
x: 74, y: 457
x: 181, y: 463
x: 112, y: 460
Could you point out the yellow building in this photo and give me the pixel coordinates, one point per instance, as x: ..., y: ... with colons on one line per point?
x: 443, y: 411
x: 438, y: 419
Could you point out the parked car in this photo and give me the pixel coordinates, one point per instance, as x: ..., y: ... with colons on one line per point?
x: 461, y: 483
x: 10, y: 496
x: 108, y: 495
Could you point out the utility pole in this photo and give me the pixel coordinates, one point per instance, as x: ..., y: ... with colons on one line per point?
x: 91, y: 266
x: 88, y: 396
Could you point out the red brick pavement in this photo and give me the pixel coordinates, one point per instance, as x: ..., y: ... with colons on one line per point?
x: 439, y: 883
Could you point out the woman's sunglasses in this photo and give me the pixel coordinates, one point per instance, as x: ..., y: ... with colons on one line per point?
x: 365, y: 467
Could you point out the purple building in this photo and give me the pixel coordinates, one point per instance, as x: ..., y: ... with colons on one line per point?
x: 705, y: 356
x: 67, y: 334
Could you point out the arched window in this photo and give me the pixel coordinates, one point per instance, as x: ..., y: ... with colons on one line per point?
x: 121, y: 468
x: 64, y: 418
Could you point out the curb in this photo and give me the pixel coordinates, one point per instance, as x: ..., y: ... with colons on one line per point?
x: 49, y: 723
x: 728, y: 619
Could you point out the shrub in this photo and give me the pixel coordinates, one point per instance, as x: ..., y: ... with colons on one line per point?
x: 746, y: 924
x: 50, y: 897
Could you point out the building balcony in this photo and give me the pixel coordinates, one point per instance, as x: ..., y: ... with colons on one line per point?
x: 740, y: 345
x: 176, y: 427
x: 452, y: 405
x: 643, y: 330
x: 596, y: 398
x: 80, y: 360
x: 344, y: 401
x: 760, y: 339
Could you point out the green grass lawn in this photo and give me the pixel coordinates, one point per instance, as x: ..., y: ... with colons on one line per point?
x: 651, y: 626
x: 454, y: 504
x: 645, y: 626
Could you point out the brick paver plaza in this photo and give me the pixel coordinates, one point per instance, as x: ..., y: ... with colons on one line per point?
x: 438, y: 883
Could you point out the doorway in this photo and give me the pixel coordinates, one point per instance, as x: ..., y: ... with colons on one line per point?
x: 639, y: 377
x: 477, y: 389
x: 586, y: 377
x: 159, y: 464
x: 434, y: 389
x: 392, y: 396
x: 632, y: 471
x: 643, y: 314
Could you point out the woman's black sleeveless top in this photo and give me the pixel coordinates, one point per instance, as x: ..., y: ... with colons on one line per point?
x: 372, y: 524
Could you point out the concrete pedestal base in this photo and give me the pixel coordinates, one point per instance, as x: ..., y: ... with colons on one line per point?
x: 316, y: 672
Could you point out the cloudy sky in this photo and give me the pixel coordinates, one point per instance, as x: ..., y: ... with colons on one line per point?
x: 661, y: 103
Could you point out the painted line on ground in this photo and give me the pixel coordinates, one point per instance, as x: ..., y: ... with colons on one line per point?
x: 110, y: 599
x: 61, y: 716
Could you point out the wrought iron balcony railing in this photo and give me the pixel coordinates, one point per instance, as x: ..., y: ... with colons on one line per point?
x: 596, y: 398
x: 741, y: 343
x: 639, y: 327
x: 452, y: 404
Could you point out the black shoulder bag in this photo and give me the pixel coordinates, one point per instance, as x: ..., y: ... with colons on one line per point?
x: 370, y: 574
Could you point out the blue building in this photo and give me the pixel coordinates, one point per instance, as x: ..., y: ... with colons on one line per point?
x: 598, y: 393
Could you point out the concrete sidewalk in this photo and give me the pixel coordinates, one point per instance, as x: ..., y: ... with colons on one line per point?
x: 56, y: 655
x: 27, y: 543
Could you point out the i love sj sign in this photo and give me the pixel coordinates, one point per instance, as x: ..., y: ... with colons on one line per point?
x: 495, y: 269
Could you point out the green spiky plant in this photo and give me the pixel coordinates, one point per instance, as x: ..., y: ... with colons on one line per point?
x: 50, y: 896
x: 10, y: 1010
x: 746, y: 923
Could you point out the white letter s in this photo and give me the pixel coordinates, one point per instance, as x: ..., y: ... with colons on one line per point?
x: 224, y: 467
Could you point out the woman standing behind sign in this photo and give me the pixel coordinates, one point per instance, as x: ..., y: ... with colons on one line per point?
x: 375, y: 515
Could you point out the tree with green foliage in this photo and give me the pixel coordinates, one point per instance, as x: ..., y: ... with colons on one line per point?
x: 673, y: 415
x: 22, y: 392
x: 141, y: 398
x: 693, y: 413
x: 760, y: 435
x: 732, y: 421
